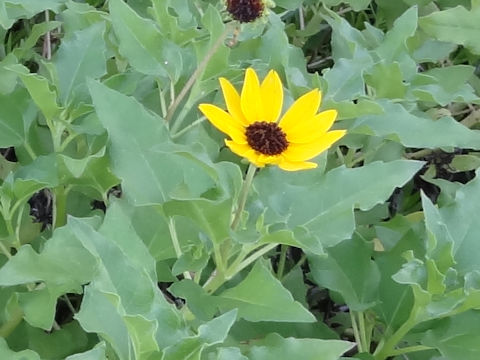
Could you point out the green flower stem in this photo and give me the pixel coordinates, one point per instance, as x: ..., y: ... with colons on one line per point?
x: 242, y: 199
x: 60, y: 206
x: 363, y: 332
x: 200, y: 69
x: 176, y: 244
x: 384, y: 349
x: 356, y: 332
x: 221, y: 274
x: 281, y: 262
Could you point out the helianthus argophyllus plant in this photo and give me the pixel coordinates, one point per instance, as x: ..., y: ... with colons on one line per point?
x: 259, y: 134
x: 246, y: 11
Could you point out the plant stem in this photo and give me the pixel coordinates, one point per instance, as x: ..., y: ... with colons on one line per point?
x: 5, y: 250
x: 409, y: 349
x: 176, y: 244
x: 59, y: 206
x: 69, y: 304
x: 281, y: 261
x: 200, y: 68
x: 242, y: 199
x: 186, y: 128
x: 362, y: 329
x: 385, y: 349
x: 356, y: 333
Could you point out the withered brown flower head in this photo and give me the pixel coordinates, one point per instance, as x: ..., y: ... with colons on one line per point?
x: 245, y: 10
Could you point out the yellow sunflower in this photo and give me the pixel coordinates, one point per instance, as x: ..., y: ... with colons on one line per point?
x: 255, y: 132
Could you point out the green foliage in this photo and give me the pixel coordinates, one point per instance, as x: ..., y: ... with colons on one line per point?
x: 128, y: 231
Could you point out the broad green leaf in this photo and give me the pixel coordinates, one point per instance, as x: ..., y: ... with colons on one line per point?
x: 387, y: 80
x: 395, y: 41
x: 39, y: 89
x: 70, y: 339
x: 348, y: 270
x: 454, y: 224
x: 230, y: 354
x: 213, y: 217
x: 8, y: 80
x: 136, y: 316
x: 97, y: 353
x: 274, y: 347
x: 140, y: 145
x: 201, y: 304
x: 6, y: 353
x: 444, y: 85
x: 211, y: 333
x: 456, y: 337
x: 16, y: 115
x: 11, y: 10
x: 321, y: 209
x: 416, y: 131
x: 457, y: 25
x: 143, y: 45
x: 80, y: 57
x: 356, y: 5
x: 261, y: 297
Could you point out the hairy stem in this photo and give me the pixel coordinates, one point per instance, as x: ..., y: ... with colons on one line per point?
x: 242, y: 199
x: 201, y: 67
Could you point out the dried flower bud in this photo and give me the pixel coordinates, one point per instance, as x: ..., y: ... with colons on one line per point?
x: 246, y: 11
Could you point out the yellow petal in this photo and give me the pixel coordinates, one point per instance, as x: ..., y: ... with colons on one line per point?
x: 302, y: 110
x: 302, y: 152
x: 224, y: 122
x: 272, y: 96
x: 232, y: 99
x: 295, y: 166
x: 307, y: 131
x: 244, y: 150
x: 269, y: 159
x: 251, y: 100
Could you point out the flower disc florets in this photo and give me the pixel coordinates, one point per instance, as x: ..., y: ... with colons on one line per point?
x: 246, y: 10
x: 266, y: 138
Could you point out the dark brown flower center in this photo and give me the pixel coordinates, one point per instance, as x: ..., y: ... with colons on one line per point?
x: 245, y: 10
x: 266, y: 138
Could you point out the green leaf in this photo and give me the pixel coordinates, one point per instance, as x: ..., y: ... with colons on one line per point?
x: 80, y: 57
x: 11, y: 10
x: 16, y: 115
x: 416, y: 131
x: 320, y: 209
x: 457, y: 25
x: 456, y: 337
x: 387, y: 80
x: 444, y: 85
x: 135, y: 317
x: 147, y: 50
x: 213, y: 217
x: 97, y: 353
x: 39, y: 89
x: 6, y: 353
x: 140, y: 145
x: 275, y: 347
x: 261, y: 297
x: 211, y: 333
x: 348, y: 270
x: 453, y: 224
